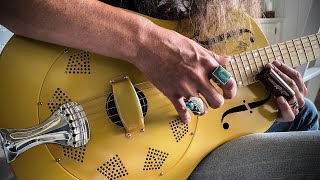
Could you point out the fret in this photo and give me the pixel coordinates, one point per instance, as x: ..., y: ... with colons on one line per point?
x: 260, y: 57
x: 241, y: 78
x: 244, y: 68
x: 265, y: 51
x: 282, y: 58
x: 289, y: 53
x: 316, y: 36
x: 295, y: 48
x: 249, y: 64
x: 318, y: 45
x: 314, y: 54
x: 255, y: 61
x: 226, y: 66
x: 317, y: 39
x: 235, y: 76
x: 304, y: 49
x: 274, y: 55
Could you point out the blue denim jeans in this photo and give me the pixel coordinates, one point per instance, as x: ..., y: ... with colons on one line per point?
x: 306, y: 120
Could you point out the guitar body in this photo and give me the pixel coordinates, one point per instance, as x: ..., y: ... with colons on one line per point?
x: 37, y: 77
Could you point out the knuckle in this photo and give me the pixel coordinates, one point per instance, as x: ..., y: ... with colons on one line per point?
x: 297, y: 75
x: 181, y: 109
x: 291, y: 83
x: 217, y: 102
x: 194, y: 75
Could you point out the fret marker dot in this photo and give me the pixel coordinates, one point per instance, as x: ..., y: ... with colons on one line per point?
x: 240, y: 82
x: 247, y: 68
x: 255, y: 54
x: 279, y: 58
x: 300, y: 51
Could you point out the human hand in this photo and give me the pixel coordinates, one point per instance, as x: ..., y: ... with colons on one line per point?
x: 180, y: 68
x: 294, y: 80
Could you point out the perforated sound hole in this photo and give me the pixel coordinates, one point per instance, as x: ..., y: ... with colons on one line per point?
x: 179, y: 129
x: 155, y: 159
x: 79, y: 64
x: 57, y: 99
x: 113, y: 112
x: 113, y: 169
x: 76, y: 154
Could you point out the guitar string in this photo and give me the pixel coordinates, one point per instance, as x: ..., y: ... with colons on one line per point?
x: 145, y: 120
x: 240, y: 66
x: 287, y: 51
x: 111, y: 123
x: 279, y: 49
x: 313, y: 48
x: 104, y: 103
x: 139, y: 99
x: 242, y: 69
x: 160, y: 92
x: 144, y: 90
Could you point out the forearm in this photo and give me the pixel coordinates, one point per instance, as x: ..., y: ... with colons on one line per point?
x: 84, y: 24
x: 175, y: 64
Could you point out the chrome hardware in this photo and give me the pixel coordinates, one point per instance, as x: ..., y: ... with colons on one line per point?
x: 67, y: 126
x: 128, y: 135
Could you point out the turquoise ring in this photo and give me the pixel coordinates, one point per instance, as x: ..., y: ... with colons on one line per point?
x: 195, y: 104
x: 221, y: 74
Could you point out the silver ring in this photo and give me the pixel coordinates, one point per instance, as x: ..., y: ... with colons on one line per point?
x: 195, y: 104
x: 294, y: 105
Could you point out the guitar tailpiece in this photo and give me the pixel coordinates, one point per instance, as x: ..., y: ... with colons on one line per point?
x: 68, y: 126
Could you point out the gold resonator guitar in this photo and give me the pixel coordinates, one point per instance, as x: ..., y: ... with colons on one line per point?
x: 135, y: 132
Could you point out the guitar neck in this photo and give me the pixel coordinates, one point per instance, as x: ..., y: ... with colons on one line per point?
x: 245, y: 66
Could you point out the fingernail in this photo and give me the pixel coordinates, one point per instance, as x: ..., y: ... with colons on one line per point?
x: 269, y: 65
x: 277, y: 63
x: 229, y: 57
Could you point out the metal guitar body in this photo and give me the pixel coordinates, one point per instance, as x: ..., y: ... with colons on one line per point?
x: 37, y: 78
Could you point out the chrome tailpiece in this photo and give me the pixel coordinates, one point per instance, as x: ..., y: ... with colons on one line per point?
x: 67, y: 126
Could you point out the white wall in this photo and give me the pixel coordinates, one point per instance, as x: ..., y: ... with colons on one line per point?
x: 295, y: 13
